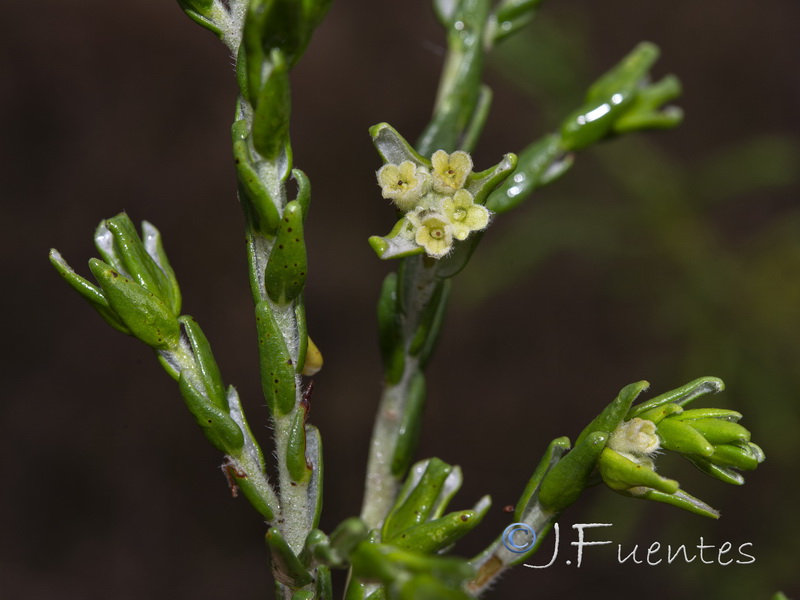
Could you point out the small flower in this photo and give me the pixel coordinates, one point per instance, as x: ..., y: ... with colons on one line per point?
x: 464, y: 215
x: 450, y: 171
x: 404, y: 184
x: 637, y: 440
x: 433, y: 232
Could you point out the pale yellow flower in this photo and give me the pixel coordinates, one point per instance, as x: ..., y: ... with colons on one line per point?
x: 636, y: 440
x: 404, y: 184
x: 464, y: 215
x: 433, y: 232
x: 450, y: 170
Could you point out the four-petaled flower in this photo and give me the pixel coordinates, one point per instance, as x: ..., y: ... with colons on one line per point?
x: 404, y: 184
x: 433, y: 232
x: 464, y: 215
x: 450, y: 171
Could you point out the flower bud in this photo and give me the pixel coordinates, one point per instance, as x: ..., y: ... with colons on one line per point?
x: 710, y: 438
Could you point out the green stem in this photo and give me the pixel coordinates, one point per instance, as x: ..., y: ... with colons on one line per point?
x: 459, y: 112
x: 496, y: 559
x: 459, y: 85
x: 417, y: 284
x: 247, y: 461
x: 230, y: 22
x: 295, y: 520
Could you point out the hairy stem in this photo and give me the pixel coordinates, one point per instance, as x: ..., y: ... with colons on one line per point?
x: 417, y: 283
x: 496, y: 559
x: 454, y: 112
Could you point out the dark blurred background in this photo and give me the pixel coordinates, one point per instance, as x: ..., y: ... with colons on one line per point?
x: 659, y: 256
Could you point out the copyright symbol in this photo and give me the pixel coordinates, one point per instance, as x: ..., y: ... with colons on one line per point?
x: 519, y: 537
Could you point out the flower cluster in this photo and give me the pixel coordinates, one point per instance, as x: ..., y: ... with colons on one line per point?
x: 710, y: 438
x: 438, y: 209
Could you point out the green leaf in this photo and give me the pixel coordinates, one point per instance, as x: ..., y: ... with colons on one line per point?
x: 201, y: 12
x: 563, y: 484
x: 287, y: 267
x: 155, y: 248
x: 216, y: 424
x: 303, y: 191
x: 460, y: 87
x: 296, y: 464
x: 645, y: 110
x: 324, y: 586
x: 621, y: 473
x: 284, y: 25
x: 347, y: 535
x: 282, y: 28
x: 117, y: 238
x: 317, y: 548
x: 386, y: 564
x: 236, y: 413
x: 408, y: 432
x: 315, y: 11
x: 659, y: 413
x: 255, y: 496
x: 682, y: 500
x: 626, y: 75
x: 146, y: 316
x: 90, y: 292
x: 680, y: 396
x: 302, y: 336
x: 206, y: 364
x: 555, y: 451
x: 614, y: 413
x: 398, y: 243
x: 428, y: 321
x: 620, y: 102
x: 271, y: 120
x: 314, y: 460
x: 418, y: 502
x: 436, y: 320
x: 720, y: 472
x: 427, y: 587
x: 740, y: 456
x: 477, y: 122
x: 253, y: 189
x: 480, y: 185
x: 719, y: 431
x: 286, y: 567
x: 241, y: 73
x: 356, y: 590
x: 538, y: 164
x: 202, y: 7
x: 432, y: 536
x: 591, y: 123
x: 708, y: 413
x: 680, y: 437
x: 509, y: 16
x: 390, y: 334
x: 452, y: 264
x: 277, y: 367
x: 393, y: 147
